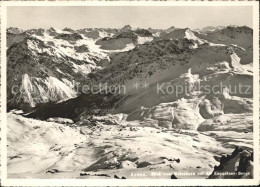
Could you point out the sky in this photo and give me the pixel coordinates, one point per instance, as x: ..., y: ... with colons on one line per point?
x: 162, y: 17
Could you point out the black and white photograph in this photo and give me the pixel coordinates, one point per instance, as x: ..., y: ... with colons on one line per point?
x: 130, y: 91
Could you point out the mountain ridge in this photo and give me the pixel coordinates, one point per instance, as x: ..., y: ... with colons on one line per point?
x: 84, y: 53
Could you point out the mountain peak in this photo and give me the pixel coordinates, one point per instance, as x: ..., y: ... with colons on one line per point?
x: 170, y: 29
x: 52, y: 29
x: 68, y: 29
x: 127, y: 27
x: 14, y: 30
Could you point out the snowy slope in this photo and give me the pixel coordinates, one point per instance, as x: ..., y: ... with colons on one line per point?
x: 111, y: 147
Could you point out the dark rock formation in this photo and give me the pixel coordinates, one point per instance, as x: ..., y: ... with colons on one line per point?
x: 238, y: 165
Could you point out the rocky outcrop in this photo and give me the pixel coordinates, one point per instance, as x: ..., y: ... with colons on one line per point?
x: 126, y: 28
x: 210, y: 109
x: 81, y: 49
x: 14, y: 30
x: 238, y: 165
x: 143, y: 33
x: 68, y: 30
x: 14, y: 38
x: 69, y: 37
x: 118, y: 41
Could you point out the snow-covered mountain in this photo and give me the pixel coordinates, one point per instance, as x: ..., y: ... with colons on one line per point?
x: 47, y: 68
x: 241, y: 36
x: 47, y: 65
x: 62, y: 59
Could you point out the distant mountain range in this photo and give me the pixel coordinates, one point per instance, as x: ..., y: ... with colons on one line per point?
x: 47, y: 66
